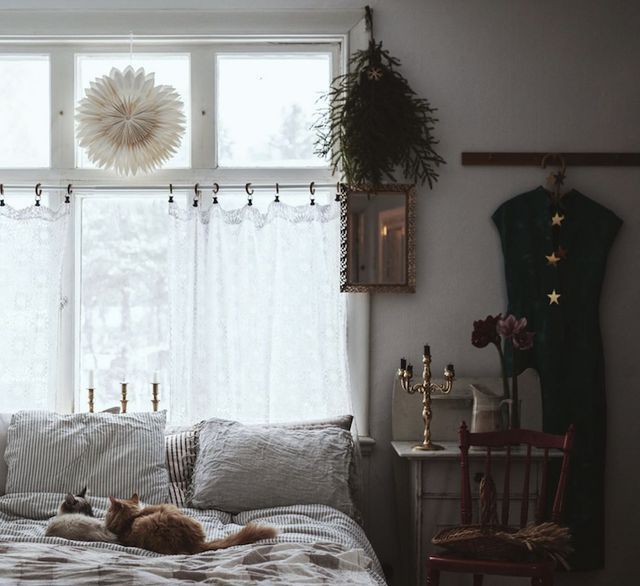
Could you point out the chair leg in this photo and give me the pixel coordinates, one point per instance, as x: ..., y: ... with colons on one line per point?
x: 477, y: 579
x: 433, y: 577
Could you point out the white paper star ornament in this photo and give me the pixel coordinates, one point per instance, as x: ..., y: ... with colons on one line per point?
x: 128, y: 123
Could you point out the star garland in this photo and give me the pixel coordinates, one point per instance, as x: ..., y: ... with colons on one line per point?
x: 556, y: 180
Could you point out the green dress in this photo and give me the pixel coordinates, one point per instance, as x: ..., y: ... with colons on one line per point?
x: 555, y: 257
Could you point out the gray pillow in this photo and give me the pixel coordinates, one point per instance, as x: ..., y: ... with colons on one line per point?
x: 5, y: 419
x: 113, y: 455
x: 244, y: 467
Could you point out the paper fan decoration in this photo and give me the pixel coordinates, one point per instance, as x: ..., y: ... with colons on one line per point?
x: 128, y: 123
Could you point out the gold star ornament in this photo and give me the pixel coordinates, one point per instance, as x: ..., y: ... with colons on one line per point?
x: 374, y: 73
x: 552, y: 259
x: 553, y: 297
x: 557, y: 219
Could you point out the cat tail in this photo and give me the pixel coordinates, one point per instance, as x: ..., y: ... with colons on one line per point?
x: 250, y: 533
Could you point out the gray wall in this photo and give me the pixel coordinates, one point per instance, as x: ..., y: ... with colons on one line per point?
x: 529, y: 75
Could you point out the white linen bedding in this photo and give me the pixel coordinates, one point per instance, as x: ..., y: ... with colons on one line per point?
x: 316, y: 545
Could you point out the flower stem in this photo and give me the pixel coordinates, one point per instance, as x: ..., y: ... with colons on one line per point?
x: 503, y: 367
x: 515, y: 406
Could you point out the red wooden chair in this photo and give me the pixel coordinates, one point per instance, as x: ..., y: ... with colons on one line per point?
x: 540, y: 572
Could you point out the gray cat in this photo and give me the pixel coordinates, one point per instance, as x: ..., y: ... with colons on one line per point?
x: 75, y: 520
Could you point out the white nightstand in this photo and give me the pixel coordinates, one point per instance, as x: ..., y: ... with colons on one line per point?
x: 434, y: 491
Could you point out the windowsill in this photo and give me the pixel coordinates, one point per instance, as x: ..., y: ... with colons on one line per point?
x: 366, y: 444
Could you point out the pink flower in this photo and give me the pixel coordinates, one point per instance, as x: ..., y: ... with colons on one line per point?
x: 523, y: 340
x: 509, y: 326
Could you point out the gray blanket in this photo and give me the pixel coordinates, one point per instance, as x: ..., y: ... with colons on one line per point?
x: 316, y: 545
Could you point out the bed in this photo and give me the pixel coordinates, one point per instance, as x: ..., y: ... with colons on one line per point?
x: 316, y: 544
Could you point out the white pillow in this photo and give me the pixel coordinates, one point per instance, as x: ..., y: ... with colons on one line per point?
x: 5, y: 419
x: 113, y: 455
x: 245, y: 467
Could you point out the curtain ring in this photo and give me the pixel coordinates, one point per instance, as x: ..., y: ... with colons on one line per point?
x: 312, y: 188
x: 338, y: 191
x: 277, y: 199
x: 196, y: 190
x: 38, y: 191
x: 215, y: 190
x: 170, y: 192
x: 1, y: 195
x: 248, y: 189
x: 69, y: 192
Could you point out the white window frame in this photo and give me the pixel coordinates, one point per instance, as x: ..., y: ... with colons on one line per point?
x: 203, y: 169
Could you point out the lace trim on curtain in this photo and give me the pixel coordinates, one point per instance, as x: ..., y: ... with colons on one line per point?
x: 279, y: 210
x: 35, y: 212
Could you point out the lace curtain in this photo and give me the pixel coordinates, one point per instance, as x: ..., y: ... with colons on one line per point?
x: 32, y: 243
x: 258, y: 323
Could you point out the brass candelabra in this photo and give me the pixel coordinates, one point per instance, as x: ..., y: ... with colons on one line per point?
x: 426, y: 388
x: 123, y: 398
x: 154, y: 395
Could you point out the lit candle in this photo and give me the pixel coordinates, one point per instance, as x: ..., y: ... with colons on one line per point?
x: 91, y: 379
x: 156, y: 377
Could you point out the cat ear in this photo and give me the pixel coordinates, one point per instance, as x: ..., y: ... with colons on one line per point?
x: 114, y: 502
x: 83, y: 492
x: 135, y: 498
x: 70, y: 499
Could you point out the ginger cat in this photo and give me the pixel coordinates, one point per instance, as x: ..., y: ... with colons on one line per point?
x: 166, y: 529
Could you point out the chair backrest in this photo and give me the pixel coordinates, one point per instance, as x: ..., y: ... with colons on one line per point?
x: 529, y: 440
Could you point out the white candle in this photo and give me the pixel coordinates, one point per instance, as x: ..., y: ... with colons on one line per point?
x: 91, y: 379
x: 156, y: 377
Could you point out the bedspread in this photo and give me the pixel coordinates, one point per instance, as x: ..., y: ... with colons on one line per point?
x: 316, y: 545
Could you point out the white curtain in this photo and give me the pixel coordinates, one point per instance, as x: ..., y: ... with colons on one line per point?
x: 258, y: 323
x: 32, y: 242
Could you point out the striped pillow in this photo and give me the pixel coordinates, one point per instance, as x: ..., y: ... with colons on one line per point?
x: 181, y: 456
x: 113, y: 455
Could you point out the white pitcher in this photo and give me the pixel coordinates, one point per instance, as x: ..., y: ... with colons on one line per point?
x: 487, y: 413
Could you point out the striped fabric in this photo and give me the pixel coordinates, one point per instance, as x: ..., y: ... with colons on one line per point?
x: 181, y: 456
x: 113, y: 455
x: 242, y: 467
x: 315, y: 545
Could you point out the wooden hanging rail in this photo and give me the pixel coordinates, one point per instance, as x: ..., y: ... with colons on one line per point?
x: 535, y: 159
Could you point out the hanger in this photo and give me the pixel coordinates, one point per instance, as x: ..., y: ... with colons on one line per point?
x: 556, y: 180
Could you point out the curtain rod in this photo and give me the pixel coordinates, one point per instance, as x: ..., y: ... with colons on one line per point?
x: 168, y: 187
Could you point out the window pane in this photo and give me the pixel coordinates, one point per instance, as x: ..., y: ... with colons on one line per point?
x: 25, y: 120
x: 124, y: 298
x: 267, y: 104
x: 170, y: 69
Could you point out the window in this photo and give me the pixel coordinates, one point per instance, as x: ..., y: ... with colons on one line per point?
x: 124, y: 329
x: 249, y: 108
x: 266, y: 107
x: 26, y: 111
x: 169, y: 68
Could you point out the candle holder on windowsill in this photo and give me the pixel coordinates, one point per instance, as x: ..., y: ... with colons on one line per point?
x: 90, y: 390
x: 154, y: 395
x: 123, y: 398
x: 426, y: 388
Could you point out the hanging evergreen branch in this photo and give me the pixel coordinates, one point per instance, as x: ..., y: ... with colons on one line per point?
x: 375, y: 122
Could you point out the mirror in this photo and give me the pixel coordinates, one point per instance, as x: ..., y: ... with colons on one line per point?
x: 378, y: 239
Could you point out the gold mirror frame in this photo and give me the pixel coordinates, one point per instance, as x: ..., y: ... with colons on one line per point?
x: 409, y: 286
